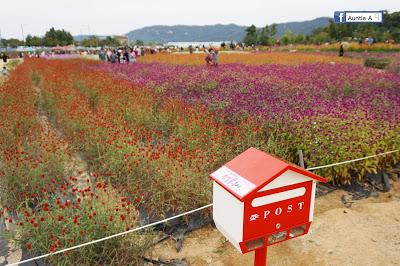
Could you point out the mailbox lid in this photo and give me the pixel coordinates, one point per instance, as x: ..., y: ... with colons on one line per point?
x: 252, y: 170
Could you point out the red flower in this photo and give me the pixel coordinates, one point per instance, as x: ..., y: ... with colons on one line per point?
x: 29, y: 246
x: 81, y: 232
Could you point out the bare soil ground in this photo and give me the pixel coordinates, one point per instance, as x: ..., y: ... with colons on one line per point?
x: 367, y: 233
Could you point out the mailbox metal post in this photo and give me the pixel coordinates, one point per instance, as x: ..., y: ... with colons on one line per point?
x: 260, y: 257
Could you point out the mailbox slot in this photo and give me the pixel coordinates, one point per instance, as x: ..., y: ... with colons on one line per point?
x: 256, y: 243
x: 297, y: 231
x: 277, y: 197
x: 277, y: 237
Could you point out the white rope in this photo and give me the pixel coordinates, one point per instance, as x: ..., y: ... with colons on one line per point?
x: 355, y: 160
x: 171, y: 218
x: 108, y: 237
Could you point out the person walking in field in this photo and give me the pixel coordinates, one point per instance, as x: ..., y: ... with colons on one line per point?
x: 126, y: 55
x: 122, y: 57
x: 341, y: 51
x: 5, y: 57
x: 108, y: 54
x: 210, y: 58
x: 4, y: 71
x: 215, y: 55
x: 132, y: 57
x: 113, y: 57
x: 102, y: 55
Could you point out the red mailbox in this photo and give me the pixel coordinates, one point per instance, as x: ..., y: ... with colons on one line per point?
x: 260, y: 200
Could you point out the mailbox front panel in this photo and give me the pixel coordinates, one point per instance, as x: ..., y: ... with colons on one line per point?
x: 279, y: 208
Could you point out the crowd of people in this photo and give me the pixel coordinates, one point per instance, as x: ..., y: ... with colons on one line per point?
x: 121, y: 55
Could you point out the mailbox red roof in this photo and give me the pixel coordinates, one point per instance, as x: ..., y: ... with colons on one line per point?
x: 252, y: 170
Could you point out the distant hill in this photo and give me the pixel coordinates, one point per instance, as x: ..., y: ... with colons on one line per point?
x: 184, y: 33
x: 208, y: 33
x: 304, y: 27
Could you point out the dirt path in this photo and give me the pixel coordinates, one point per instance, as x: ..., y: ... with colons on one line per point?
x: 367, y: 233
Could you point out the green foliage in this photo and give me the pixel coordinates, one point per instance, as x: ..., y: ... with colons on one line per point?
x: 57, y: 37
x: 381, y: 32
x: 299, y: 39
x: 285, y: 40
x: 109, y: 41
x: 12, y: 42
x: 273, y: 30
x: 52, y: 38
x: 321, y: 38
x: 33, y: 41
x: 251, y: 35
x: 374, y: 62
x: 139, y: 43
x: 261, y: 36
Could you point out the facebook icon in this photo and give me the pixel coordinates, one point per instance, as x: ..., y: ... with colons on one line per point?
x: 339, y: 17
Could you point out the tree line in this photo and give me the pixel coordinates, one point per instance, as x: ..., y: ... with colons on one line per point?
x: 61, y: 37
x: 334, y: 32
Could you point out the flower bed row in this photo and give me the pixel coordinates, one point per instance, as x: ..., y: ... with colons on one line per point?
x: 41, y: 204
x: 281, y: 58
x: 333, y: 112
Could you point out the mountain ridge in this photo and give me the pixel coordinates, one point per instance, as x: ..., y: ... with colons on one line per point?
x: 216, y: 32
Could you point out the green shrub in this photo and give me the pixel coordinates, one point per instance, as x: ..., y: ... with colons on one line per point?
x: 379, y: 63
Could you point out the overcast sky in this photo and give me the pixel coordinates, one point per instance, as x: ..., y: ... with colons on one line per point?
x: 121, y: 16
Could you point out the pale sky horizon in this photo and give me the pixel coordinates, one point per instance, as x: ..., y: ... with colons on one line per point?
x: 105, y: 18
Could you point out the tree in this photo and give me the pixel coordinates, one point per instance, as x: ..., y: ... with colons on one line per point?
x: 251, y: 35
x: 299, y: 39
x: 379, y: 31
x: 263, y: 36
x: 109, y: 41
x: 321, y: 38
x: 33, y: 40
x: 272, y: 41
x: 273, y: 30
x: 85, y: 43
x: 58, y: 37
x: 139, y: 43
x: 28, y: 40
x: 14, y: 43
x: 285, y: 40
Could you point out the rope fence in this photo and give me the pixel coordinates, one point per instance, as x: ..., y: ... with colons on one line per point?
x: 177, y: 216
